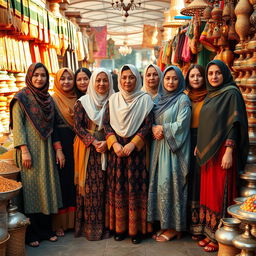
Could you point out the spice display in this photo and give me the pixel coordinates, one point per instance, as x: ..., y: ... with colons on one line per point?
x: 250, y: 204
x: 7, y: 168
x: 8, y: 185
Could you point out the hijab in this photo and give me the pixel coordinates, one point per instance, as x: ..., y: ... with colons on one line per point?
x: 129, y: 109
x: 36, y: 103
x: 94, y: 103
x: 196, y: 95
x: 223, y: 109
x: 88, y: 73
x: 165, y: 98
x: 147, y: 89
x: 65, y: 101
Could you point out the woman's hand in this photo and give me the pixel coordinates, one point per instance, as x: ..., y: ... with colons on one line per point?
x: 118, y: 148
x: 101, y: 146
x: 60, y: 158
x: 128, y: 148
x: 158, y: 133
x: 227, y: 158
x: 26, y: 159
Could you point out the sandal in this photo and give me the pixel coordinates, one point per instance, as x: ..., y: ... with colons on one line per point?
x: 211, y: 247
x: 167, y: 236
x: 34, y: 244
x: 204, y: 242
x: 158, y: 233
x: 60, y: 232
x: 53, y: 239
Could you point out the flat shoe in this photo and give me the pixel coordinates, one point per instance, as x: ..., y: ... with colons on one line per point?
x: 34, y: 244
x: 53, y: 239
x: 136, y: 239
x: 164, y: 238
x: 158, y: 233
x: 211, y: 247
x: 119, y: 237
x: 60, y: 233
x: 203, y: 242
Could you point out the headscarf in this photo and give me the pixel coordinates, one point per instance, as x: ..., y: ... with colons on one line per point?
x: 36, y: 103
x: 196, y: 95
x: 165, y: 98
x: 94, y: 103
x: 65, y: 101
x: 129, y: 109
x: 147, y: 89
x: 88, y: 73
x: 223, y: 109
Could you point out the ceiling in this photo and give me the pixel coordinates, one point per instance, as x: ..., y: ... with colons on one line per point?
x: 100, y: 13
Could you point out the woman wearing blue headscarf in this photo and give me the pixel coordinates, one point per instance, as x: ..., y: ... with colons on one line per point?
x: 170, y: 157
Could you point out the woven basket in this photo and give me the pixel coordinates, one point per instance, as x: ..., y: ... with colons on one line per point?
x: 16, y: 243
x: 3, y: 246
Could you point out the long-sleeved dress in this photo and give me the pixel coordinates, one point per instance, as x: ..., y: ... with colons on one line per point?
x: 91, y: 202
x: 66, y: 215
x: 41, y: 186
x: 127, y: 181
x: 169, y: 167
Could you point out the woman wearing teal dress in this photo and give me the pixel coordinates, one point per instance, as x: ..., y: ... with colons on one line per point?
x: 33, y: 120
x: 170, y: 151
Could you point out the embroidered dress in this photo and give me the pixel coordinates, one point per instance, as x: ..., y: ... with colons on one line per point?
x: 169, y: 167
x: 91, y: 204
x: 127, y: 182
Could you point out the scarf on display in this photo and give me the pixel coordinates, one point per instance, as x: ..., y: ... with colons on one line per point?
x: 165, y: 98
x: 146, y: 88
x: 36, y: 103
x: 65, y: 101
x: 129, y: 109
x: 223, y: 108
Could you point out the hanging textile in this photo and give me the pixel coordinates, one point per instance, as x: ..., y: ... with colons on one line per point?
x: 148, y: 33
x: 33, y: 20
x: 110, y: 48
x: 101, y: 39
x: 6, y: 13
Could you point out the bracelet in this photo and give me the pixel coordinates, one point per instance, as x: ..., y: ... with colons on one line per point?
x: 57, y: 145
x: 59, y: 149
x: 24, y: 152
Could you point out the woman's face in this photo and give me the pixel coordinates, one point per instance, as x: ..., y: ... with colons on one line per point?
x: 82, y: 81
x: 128, y: 80
x: 152, y: 78
x: 214, y: 76
x: 171, y: 81
x: 67, y: 82
x: 195, y: 78
x: 101, y: 83
x: 39, y: 78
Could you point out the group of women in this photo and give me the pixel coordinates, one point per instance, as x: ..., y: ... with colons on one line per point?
x: 160, y: 159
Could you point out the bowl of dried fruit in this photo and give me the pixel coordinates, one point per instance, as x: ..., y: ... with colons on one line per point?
x: 8, y: 188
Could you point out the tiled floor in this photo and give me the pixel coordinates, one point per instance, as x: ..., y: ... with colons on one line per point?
x: 70, y: 246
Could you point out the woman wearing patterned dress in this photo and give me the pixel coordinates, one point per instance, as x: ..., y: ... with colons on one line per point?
x: 33, y: 120
x: 64, y: 97
x: 90, y: 177
x: 127, y: 122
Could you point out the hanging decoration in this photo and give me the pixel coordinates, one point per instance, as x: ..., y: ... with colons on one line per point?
x: 121, y: 6
x: 125, y: 50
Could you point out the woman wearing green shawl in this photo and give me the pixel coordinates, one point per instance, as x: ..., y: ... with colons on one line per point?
x: 222, y: 148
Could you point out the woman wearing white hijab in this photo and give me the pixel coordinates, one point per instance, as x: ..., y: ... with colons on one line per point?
x: 90, y: 177
x: 151, y: 80
x: 127, y: 121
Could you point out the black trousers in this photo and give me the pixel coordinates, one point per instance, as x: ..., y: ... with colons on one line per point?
x: 40, y: 227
